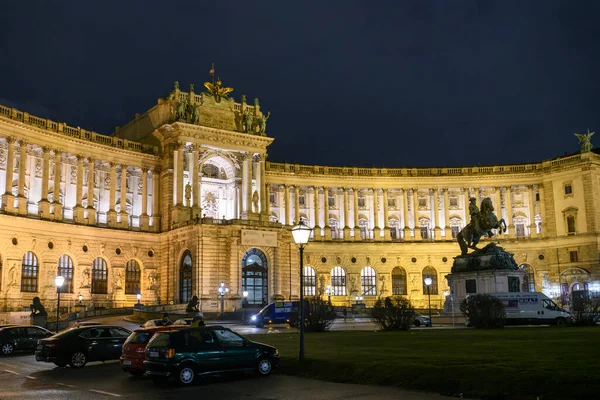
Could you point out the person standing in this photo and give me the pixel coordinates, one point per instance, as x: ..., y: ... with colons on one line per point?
x: 345, y: 313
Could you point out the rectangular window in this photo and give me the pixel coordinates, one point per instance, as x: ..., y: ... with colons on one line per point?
x: 571, y: 225
x: 423, y: 202
x: 301, y: 199
x: 574, y: 256
x: 520, y: 230
x: 361, y: 201
x: 331, y: 201
x: 453, y: 201
x: 392, y: 202
x: 471, y: 286
x: 272, y: 198
x: 455, y: 230
x: 424, y: 232
x: 393, y: 233
x: 537, y: 197
x: 363, y: 232
x: 568, y: 189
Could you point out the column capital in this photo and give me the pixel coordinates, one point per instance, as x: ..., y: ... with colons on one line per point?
x: 91, y: 160
x: 385, y: 190
x: 10, y: 139
x: 415, y: 190
x: 23, y: 143
x: 157, y: 171
x: 79, y: 158
x: 145, y: 170
x: 444, y: 189
x: 46, y: 150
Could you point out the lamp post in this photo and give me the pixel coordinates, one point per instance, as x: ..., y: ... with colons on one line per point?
x: 244, y: 303
x: 428, y: 282
x: 58, y: 281
x: 222, y: 291
x: 301, y: 234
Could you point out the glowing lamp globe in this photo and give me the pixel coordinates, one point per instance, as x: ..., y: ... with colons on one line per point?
x: 301, y: 233
x: 59, y: 280
x: 428, y: 281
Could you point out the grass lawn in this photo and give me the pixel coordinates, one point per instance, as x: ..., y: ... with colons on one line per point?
x: 511, y: 363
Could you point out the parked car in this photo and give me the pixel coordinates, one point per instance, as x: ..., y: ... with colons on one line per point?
x: 133, y: 353
x: 155, y: 322
x: 86, y: 323
x: 78, y: 346
x: 21, y: 337
x: 421, y: 320
x: 183, y: 321
x: 186, y: 353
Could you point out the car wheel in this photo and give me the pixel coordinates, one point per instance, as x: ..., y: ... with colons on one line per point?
x: 417, y: 323
x: 186, y: 374
x: 7, y: 348
x: 78, y: 360
x: 264, y: 366
x: 560, y: 322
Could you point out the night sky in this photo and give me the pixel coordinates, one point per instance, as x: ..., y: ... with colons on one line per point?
x: 359, y: 83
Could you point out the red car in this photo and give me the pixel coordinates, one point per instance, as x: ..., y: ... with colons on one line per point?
x: 133, y: 352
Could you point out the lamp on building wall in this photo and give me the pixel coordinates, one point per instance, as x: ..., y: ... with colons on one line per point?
x: 301, y: 234
x: 139, y: 297
x: 58, y: 281
x: 358, y: 299
x: 428, y: 281
x: 223, y: 290
x: 80, y: 300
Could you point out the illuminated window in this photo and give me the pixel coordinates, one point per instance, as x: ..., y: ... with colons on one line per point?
x: 455, y: 229
x: 272, y: 197
x: 430, y: 272
x: 573, y: 256
x: 185, y: 277
x: 368, y: 281
x: 99, y: 276
x: 301, y: 199
x: 361, y: 201
x: 422, y: 202
x: 570, y: 224
x: 453, y: 201
x: 338, y: 281
x: 331, y: 200
x: 132, y: 277
x: 65, y: 269
x: 310, y: 281
x: 399, y: 281
x: 29, y: 273
x: 363, y: 225
x: 568, y: 189
x: 392, y: 202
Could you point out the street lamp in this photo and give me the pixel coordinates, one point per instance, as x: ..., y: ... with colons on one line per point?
x: 328, y: 291
x: 80, y: 299
x: 222, y: 291
x: 301, y: 234
x: 428, y: 282
x: 139, y: 297
x: 244, y: 304
x: 58, y: 281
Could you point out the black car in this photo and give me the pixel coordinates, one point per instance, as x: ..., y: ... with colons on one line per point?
x: 188, y: 352
x: 78, y: 346
x: 21, y: 337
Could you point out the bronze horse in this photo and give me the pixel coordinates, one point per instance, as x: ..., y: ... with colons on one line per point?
x: 469, y: 236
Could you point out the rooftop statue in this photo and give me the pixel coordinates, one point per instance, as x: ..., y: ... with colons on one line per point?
x: 585, y: 140
x: 482, y: 223
x: 217, y: 90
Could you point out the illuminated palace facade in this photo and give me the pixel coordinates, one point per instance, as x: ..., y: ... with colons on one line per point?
x: 182, y: 198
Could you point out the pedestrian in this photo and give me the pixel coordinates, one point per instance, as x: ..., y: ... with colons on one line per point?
x: 165, y: 320
x: 198, y: 320
x: 345, y: 313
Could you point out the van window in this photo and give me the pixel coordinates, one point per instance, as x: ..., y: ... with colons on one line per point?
x: 550, y: 305
x: 229, y: 338
x: 160, y: 340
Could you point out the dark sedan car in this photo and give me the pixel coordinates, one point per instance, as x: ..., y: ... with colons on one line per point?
x: 78, y: 346
x: 189, y: 352
x: 21, y: 337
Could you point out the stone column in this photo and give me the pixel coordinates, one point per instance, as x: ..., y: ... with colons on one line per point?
x: 356, y: 227
x: 91, y: 183
x: 78, y: 211
x: 405, y: 203
x: 44, y: 204
x: 56, y: 204
x: 509, y: 211
x: 249, y: 184
x: 8, y: 199
x: 436, y: 215
x: 416, y: 211
x: 286, y: 188
x: 317, y: 227
x: 22, y: 170
x: 376, y: 229
x: 447, y: 228
x: 179, y: 162
x: 532, y: 226
x: 476, y: 188
x: 123, y: 213
x: 243, y: 159
x: 542, y: 210
x: 195, y: 183
x: 263, y: 192
x: 386, y: 227
x: 467, y: 215
x: 497, y: 189
x: 112, y: 212
x: 156, y: 200
x: 346, y: 215
x: 326, y: 217
x: 296, y: 204
x: 144, y: 218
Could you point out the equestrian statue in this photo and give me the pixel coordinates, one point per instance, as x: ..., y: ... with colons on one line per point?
x: 482, y: 223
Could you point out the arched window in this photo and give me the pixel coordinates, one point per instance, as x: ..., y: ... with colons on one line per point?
x: 99, y: 276
x: 310, y: 281
x: 185, y: 277
x: 424, y: 225
x: 430, y: 272
x: 338, y: 281
x: 29, y: 273
x: 210, y: 171
x: 65, y: 269
x: 255, y: 277
x: 399, y: 281
x: 528, y: 279
x: 132, y: 277
x: 368, y: 282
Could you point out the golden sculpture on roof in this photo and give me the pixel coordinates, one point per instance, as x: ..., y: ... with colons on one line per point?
x: 217, y: 90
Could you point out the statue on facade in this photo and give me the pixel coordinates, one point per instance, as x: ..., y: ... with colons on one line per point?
x: 188, y: 194
x: 474, y: 213
x: 261, y: 122
x: 482, y: 223
x: 255, y: 201
x: 217, y: 90
x: 37, y: 308
x: 247, y: 122
x: 585, y: 140
x: 176, y: 85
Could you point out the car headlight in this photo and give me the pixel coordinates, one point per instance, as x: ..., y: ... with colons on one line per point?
x: 253, y: 318
x: 276, y: 352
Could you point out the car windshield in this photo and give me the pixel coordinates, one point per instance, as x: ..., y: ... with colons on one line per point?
x: 161, y: 339
x: 264, y: 310
x: 139, y: 338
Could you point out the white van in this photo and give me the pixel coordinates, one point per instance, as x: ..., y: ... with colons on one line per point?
x: 532, y: 308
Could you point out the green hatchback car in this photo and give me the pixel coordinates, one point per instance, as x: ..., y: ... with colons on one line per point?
x: 184, y: 354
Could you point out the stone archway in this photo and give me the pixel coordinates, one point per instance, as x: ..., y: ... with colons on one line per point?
x: 255, y: 277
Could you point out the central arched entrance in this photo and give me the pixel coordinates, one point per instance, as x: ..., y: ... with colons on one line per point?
x: 255, y: 277
x: 185, y: 277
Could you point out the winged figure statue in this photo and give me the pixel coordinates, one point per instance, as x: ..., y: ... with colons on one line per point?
x: 217, y: 90
x: 585, y: 140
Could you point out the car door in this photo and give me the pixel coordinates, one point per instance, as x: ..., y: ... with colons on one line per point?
x: 18, y: 336
x: 118, y: 336
x: 235, y: 352
x: 33, y: 335
x: 98, y: 343
x: 207, y: 353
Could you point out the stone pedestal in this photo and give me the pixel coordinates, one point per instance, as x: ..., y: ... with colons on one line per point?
x: 111, y: 218
x: 22, y: 205
x: 347, y: 233
x: 407, y: 234
x: 91, y: 216
x: 57, y: 211
x: 124, y: 220
x: 144, y: 222
x: 437, y: 231
x: 377, y: 234
x: 44, y: 209
x: 387, y: 235
x: 8, y: 203
x: 327, y: 232
x: 252, y: 216
x: 78, y: 214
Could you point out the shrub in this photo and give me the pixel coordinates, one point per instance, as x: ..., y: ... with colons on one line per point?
x: 484, y: 311
x: 393, y: 313
x: 318, y: 315
x: 587, y: 311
